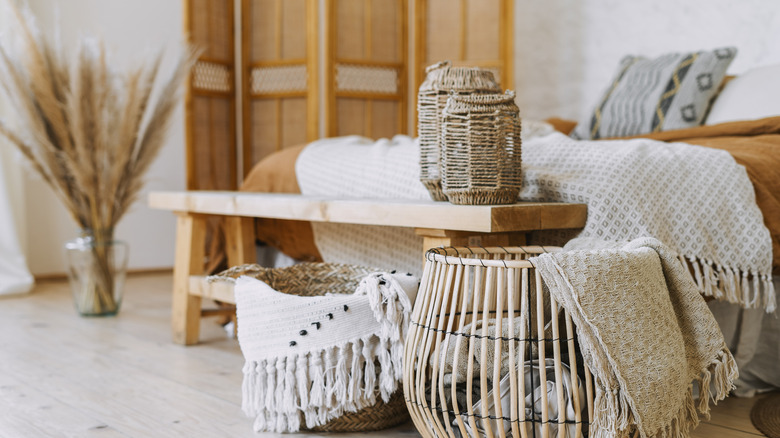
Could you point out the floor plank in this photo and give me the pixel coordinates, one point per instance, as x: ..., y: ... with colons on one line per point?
x: 66, y: 376
x: 734, y: 413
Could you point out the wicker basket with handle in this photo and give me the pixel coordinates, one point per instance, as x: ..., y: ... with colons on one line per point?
x: 443, y: 79
x: 481, y: 161
x: 490, y: 354
x: 316, y: 280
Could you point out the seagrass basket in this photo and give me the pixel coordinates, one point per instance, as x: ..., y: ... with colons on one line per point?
x: 490, y: 354
x: 319, y: 279
x: 442, y: 80
x: 481, y: 157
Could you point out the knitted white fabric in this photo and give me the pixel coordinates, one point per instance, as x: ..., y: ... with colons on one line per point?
x: 696, y: 200
x: 358, y: 167
x: 310, y: 359
x: 645, y: 334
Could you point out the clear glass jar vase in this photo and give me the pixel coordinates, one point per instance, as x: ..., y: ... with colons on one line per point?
x: 97, y: 265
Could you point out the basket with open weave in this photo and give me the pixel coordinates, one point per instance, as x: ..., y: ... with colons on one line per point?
x: 481, y: 160
x: 442, y: 80
x: 490, y: 353
x: 313, y: 381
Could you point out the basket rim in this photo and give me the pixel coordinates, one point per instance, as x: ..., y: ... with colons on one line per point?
x: 466, y: 255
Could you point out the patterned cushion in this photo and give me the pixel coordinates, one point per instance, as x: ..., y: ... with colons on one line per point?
x: 672, y: 91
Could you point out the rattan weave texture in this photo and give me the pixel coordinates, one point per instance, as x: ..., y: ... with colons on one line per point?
x: 480, y: 143
x: 442, y: 80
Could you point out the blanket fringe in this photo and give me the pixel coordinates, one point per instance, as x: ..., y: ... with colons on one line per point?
x: 731, y: 284
x: 717, y: 380
x: 313, y: 388
x: 714, y: 385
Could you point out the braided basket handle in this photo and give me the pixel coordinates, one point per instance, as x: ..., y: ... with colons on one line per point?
x: 437, y: 66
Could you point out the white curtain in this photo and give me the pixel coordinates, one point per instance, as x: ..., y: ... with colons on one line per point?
x: 14, y: 275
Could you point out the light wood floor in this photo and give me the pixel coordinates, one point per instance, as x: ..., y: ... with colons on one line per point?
x: 66, y: 376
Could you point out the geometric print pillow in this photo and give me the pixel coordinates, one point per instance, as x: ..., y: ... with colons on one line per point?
x: 672, y: 91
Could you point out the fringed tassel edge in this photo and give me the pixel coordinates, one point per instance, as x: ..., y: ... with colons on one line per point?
x: 714, y: 383
x: 316, y: 387
x: 732, y: 285
x: 717, y: 380
x: 312, y: 389
x: 390, y: 303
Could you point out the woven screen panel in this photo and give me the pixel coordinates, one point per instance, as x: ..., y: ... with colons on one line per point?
x: 385, y: 31
x: 278, y: 79
x: 212, y: 127
x: 384, y: 120
x: 264, y: 128
x: 262, y: 31
x: 463, y: 31
x: 370, y: 118
x: 350, y: 77
x: 444, y: 31
x: 293, y: 29
x: 211, y: 29
x: 277, y: 127
x: 380, y: 41
x: 210, y: 76
x: 351, y: 29
x: 482, y: 42
x: 277, y: 31
x: 293, y: 121
x: 352, y: 116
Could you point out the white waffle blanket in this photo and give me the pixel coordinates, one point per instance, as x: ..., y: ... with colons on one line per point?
x: 696, y: 200
x: 311, y: 359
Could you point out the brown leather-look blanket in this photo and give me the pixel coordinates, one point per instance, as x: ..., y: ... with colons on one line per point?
x: 754, y: 144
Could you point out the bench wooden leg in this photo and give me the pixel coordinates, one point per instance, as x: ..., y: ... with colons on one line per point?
x: 190, y: 242
x: 240, y: 237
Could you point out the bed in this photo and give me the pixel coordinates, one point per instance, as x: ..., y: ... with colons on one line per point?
x: 744, y: 121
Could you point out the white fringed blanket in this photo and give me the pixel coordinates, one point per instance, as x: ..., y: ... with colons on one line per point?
x: 310, y: 359
x: 645, y: 334
x: 696, y: 200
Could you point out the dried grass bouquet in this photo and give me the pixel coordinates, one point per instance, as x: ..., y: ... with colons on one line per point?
x: 90, y: 131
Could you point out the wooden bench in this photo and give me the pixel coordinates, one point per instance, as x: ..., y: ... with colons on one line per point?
x: 439, y: 223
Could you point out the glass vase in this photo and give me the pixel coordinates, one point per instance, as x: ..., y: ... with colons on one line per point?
x: 97, y: 264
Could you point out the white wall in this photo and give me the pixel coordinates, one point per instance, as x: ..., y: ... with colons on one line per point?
x: 566, y: 51
x: 130, y: 29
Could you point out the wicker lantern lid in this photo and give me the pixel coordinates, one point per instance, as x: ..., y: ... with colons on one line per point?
x: 444, y: 77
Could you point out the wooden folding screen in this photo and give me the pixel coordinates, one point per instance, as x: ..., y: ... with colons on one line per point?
x: 210, y: 99
x: 365, y: 71
x: 280, y: 85
x: 466, y: 32
x: 365, y: 67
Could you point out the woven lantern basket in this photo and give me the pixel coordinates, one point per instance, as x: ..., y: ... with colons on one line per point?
x: 319, y: 279
x: 489, y: 354
x: 481, y: 159
x: 442, y: 80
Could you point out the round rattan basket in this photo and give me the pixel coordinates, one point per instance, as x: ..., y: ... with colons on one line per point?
x: 489, y: 353
x: 481, y: 157
x: 317, y: 279
x: 442, y: 80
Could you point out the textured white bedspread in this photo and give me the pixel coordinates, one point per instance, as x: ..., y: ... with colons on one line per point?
x: 696, y: 200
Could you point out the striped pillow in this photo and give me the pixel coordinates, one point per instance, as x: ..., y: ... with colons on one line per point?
x: 672, y: 91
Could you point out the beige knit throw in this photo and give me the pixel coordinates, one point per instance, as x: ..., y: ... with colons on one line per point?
x: 645, y: 333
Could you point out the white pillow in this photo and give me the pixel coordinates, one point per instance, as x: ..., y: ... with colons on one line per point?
x: 752, y: 95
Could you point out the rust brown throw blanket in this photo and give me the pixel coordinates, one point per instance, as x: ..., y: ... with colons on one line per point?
x: 645, y: 333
